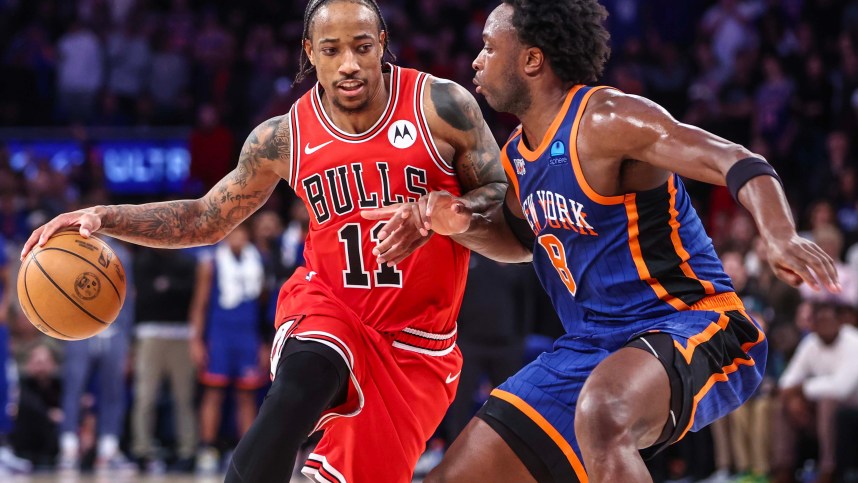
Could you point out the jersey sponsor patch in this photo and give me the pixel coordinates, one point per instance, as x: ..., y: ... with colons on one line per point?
x: 402, y: 134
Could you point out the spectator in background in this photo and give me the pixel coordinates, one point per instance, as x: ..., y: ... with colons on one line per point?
x: 829, y: 238
x: 212, y: 147
x: 168, y: 80
x: 27, y: 86
x: 773, y: 121
x: 129, y: 60
x: 106, y: 355
x: 821, y: 377
x: 37, y: 428
x: 9, y: 463
x: 165, y: 281
x: 225, y: 346
x: 729, y: 24
x: 13, y: 218
x: 750, y: 424
x: 80, y: 73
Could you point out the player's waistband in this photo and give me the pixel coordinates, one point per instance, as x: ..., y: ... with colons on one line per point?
x: 722, y: 302
x: 428, y: 343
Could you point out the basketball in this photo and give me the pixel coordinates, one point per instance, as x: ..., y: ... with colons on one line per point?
x: 72, y: 287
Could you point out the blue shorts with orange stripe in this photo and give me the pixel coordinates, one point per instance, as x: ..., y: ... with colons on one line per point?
x: 716, y: 362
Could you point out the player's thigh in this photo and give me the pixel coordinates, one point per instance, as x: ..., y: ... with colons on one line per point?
x: 611, y: 406
x: 479, y: 454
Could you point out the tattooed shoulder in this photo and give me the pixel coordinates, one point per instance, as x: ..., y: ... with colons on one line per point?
x: 270, y: 141
x: 455, y: 105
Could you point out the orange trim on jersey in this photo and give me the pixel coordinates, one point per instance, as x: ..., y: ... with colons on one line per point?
x: 748, y: 345
x: 510, y: 170
x: 723, y: 302
x: 576, y: 161
x: 637, y: 256
x: 719, y: 377
x: 677, y: 241
x: 702, y: 337
x: 725, y: 371
x: 543, y: 424
x: 552, y: 130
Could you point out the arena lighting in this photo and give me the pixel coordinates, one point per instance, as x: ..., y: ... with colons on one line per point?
x: 134, y: 163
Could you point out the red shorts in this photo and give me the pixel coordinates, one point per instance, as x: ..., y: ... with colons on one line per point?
x: 401, y: 386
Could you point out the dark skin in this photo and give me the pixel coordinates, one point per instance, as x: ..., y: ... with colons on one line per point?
x: 346, y: 46
x: 627, y: 144
x: 346, y: 49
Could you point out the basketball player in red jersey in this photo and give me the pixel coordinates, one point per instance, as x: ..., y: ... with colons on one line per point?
x: 364, y: 351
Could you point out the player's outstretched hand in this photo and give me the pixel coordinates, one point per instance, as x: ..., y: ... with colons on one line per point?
x: 446, y: 214
x: 87, y: 219
x: 404, y: 232
x: 795, y: 260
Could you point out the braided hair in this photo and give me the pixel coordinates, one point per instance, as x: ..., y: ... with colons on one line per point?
x: 305, y: 67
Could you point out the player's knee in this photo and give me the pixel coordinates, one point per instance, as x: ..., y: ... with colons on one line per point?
x: 603, y: 416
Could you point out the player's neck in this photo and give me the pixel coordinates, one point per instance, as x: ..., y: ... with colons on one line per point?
x: 544, y: 106
x: 359, y: 120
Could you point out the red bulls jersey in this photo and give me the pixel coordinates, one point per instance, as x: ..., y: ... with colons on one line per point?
x: 338, y: 174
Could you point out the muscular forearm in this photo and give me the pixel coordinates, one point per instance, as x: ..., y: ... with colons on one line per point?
x: 489, y: 234
x: 765, y: 200
x: 170, y: 224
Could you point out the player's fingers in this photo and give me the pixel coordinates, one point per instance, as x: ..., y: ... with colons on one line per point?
x: 423, y: 206
x: 824, y: 267
x: 788, y: 276
x: 48, y: 231
x: 799, y: 267
x: 89, y: 224
x: 395, y: 222
x: 418, y: 220
x: 431, y: 201
x: 391, y: 253
x: 415, y: 244
x: 380, y: 213
x: 31, y: 242
x: 385, y: 245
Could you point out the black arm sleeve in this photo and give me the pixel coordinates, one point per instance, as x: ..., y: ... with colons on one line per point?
x: 520, y: 228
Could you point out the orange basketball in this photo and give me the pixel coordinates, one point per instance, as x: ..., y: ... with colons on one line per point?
x: 72, y: 287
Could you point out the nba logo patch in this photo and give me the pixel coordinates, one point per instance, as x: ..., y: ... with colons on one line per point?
x: 519, y: 166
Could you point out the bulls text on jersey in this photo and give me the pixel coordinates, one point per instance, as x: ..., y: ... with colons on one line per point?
x: 342, y: 189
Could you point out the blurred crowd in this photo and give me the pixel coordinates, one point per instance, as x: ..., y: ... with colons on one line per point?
x: 779, y: 76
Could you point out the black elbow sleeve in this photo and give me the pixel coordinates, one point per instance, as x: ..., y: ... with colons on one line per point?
x: 520, y: 228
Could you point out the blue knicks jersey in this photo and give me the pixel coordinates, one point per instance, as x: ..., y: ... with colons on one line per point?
x: 608, y: 259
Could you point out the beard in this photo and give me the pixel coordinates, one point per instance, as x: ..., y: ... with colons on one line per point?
x: 349, y: 109
x: 514, y: 98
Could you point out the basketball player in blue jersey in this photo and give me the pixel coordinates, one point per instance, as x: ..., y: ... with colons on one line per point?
x: 657, y: 341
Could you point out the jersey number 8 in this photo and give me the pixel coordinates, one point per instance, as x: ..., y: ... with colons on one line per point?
x: 557, y: 255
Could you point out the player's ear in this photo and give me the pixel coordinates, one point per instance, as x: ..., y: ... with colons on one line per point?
x: 534, y: 60
x: 308, y: 49
x: 382, y: 38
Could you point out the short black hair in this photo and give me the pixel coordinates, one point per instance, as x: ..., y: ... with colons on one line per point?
x: 305, y: 67
x: 571, y: 33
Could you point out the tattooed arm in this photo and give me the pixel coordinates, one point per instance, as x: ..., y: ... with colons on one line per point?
x: 475, y: 219
x: 459, y: 121
x: 184, y: 223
